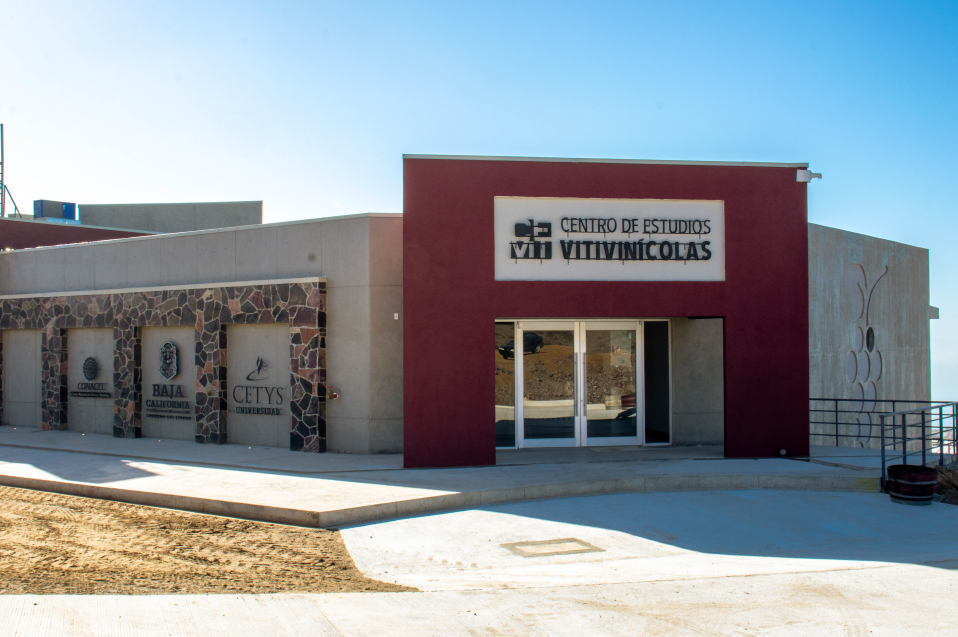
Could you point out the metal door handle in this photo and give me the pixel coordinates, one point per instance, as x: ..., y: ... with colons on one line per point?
x: 575, y: 394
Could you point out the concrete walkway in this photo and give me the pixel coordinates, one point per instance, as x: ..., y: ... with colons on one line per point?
x: 769, y: 563
x: 649, y: 537
x: 329, y: 490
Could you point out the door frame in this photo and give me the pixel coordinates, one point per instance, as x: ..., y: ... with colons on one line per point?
x: 582, y: 423
x: 579, y: 326
x: 554, y: 324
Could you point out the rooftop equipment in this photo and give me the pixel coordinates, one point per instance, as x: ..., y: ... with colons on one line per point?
x: 59, y: 211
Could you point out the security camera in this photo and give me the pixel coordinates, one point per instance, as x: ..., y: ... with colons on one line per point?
x: 806, y: 176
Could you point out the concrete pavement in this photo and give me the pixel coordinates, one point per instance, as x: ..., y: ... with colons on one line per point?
x: 655, y: 537
x: 335, y: 489
x: 769, y: 563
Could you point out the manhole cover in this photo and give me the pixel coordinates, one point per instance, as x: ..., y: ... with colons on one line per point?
x: 565, y: 546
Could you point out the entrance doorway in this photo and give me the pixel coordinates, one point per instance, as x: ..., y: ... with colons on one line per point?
x: 582, y: 383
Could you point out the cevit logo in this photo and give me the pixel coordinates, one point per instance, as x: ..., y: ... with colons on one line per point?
x: 533, y: 248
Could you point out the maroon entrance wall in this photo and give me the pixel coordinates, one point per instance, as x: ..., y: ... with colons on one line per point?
x: 451, y: 298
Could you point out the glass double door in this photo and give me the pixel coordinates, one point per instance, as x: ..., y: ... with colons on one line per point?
x: 580, y: 383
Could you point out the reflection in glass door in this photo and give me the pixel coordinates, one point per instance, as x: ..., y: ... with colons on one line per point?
x: 610, y: 380
x: 548, y: 366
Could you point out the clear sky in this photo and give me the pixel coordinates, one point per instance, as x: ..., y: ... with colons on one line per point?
x: 310, y: 106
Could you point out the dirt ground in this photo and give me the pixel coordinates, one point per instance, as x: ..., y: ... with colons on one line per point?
x: 60, y: 544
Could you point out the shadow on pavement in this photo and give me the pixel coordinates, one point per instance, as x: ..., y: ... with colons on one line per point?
x: 63, y: 466
x: 786, y: 524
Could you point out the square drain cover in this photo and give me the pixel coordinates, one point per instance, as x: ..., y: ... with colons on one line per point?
x: 565, y: 546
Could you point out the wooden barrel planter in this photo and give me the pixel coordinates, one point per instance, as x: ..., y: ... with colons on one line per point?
x: 911, y: 484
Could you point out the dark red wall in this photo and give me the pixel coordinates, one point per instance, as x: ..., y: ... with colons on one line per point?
x: 19, y: 234
x: 451, y: 298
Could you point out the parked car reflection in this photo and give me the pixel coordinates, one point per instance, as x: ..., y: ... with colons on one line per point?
x: 629, y: 404
x: 531, y: 342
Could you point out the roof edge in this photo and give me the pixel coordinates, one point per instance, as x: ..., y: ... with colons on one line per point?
x: 587, y: 160
x: 174, y: 203
x: 146, y: 236
x: 76, y: 225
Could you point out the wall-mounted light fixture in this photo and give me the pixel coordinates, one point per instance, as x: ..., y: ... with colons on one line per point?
x: 806, y: 176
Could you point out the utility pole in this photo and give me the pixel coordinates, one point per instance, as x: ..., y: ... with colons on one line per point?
x: 3, y: 192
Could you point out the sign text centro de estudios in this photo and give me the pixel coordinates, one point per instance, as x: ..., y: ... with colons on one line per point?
x: 552, y: 239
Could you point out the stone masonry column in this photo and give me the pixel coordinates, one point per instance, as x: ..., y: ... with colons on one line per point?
x: 210, y: 348
x: 53, y: 360
x: 307, y: 405
x: 127, y: 381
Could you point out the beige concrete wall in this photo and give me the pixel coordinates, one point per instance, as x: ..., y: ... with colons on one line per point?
x: 360, y: 256
x: 697, y: 382
x: 364, y: 349
x: 90, y: 415
x: 246, y: 344
x: 172, y: 217
x: 337, y: 248
x: 897, y: 312
x: 178, y: 427
x: 22, y: 388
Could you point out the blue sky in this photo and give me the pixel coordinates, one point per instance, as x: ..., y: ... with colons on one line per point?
x: 310, y: 106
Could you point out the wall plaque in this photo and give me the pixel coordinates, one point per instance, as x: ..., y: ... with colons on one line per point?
x: 91, y: 390
x: 168, y: 401
x: 168, y: 360
x: 258, y: 400
x: 90, y: 368
x: 553, y: 239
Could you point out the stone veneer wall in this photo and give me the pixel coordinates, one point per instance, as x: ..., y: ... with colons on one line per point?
x: 209, y: 309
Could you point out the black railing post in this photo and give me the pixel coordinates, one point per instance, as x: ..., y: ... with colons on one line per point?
x: 836, y: 422
x: 941, y: 440
x: 904, y: 440
x: 883, y: 452
x: 894, y: 429
x: 924, y: 459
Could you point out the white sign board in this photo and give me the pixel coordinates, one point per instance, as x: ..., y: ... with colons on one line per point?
x: 551, y: 239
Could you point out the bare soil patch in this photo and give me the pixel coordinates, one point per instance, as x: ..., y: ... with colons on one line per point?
x: 60, y: 544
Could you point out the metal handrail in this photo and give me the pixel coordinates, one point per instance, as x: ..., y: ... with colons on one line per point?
x: 929, y: 427
x: 929, y: 433
x: 832, y: 415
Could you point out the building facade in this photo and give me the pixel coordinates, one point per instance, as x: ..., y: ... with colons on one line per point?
x: 516, y: 303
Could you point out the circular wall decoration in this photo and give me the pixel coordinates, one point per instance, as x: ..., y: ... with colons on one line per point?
x: 859, y: 339
x: 851, y: 367
x: 870, y: 339
x: 863, y: 366
x: 90, y: 368
x: 871, y: 395
x: 864, y: 428
x: 876, y: 364
x: 858, y: 395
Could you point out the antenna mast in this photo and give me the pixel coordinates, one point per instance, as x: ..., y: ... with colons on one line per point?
x: 3, y: 193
